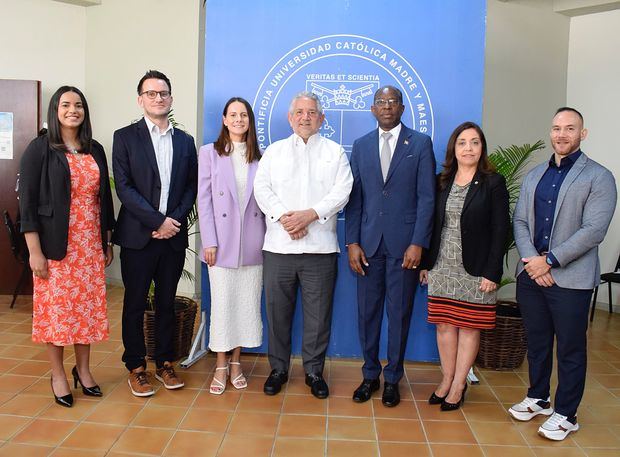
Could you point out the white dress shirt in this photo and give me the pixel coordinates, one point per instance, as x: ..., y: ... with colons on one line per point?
x: 293, y: 175
x: 162, y: 144
x: 392, y: 141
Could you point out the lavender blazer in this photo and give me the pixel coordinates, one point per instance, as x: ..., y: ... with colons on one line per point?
x: 219, y: 212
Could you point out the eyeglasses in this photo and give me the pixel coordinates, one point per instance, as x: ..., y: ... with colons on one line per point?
x: 391, y: 102
x: 152, y: 94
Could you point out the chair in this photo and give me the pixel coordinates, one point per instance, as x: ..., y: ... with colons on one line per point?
x: 609, y: 278
x: 18, y: 247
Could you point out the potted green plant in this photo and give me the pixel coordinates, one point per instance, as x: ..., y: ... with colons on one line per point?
x: 504, y: 347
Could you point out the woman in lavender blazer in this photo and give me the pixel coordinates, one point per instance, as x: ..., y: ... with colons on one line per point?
x: 232, y: 229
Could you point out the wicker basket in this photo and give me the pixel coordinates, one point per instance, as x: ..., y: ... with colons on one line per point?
x: 185, y: 314
x: 504, y: 347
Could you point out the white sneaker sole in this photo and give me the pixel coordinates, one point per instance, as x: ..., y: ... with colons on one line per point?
x: 556, y: 435
x: 160, y: 379
x: 525, y: 416
x: 140, y: 394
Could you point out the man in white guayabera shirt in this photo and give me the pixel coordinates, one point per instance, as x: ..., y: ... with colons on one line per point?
x: 301, y: 184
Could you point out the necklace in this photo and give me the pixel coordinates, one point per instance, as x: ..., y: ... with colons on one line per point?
x: 71, y: 149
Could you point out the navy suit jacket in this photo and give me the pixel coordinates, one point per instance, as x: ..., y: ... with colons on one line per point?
x: 138, y: 185
x: 399, y: 210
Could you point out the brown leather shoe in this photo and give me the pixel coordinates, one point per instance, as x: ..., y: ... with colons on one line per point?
x: 168, y: 377
x: 139, y: 383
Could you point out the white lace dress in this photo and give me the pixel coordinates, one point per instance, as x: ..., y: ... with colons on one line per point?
x: 236, y: 292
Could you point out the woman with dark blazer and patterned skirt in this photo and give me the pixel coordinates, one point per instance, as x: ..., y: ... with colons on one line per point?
x: 463, y: 264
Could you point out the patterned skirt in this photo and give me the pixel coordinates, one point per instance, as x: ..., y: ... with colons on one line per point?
x: 460, y: 313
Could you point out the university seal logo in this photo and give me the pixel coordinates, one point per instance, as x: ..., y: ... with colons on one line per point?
x: 344, y: 71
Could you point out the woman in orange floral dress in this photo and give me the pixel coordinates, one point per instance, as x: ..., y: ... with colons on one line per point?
x: 67, y: 218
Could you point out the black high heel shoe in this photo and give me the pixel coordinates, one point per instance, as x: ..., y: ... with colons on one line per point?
x: 93, y: 391
x: 447, y: 406
x: 65, y: 400
x: 435, y: 399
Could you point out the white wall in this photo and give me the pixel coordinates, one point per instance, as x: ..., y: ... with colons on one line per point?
x: 526, y: 58
x: 104, y: 50
x: 45, y: 41
x: 594, y: 89
x: 124, y: 39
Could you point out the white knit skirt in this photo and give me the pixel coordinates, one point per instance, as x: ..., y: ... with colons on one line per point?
x: 235, y: 307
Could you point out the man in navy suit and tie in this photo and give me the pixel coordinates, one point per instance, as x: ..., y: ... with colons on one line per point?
x: 388, y: 222
x: 156, y: 175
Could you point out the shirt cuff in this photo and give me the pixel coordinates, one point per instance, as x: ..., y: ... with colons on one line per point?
x: 322, y: 213
x: 554, y: 261
x: 275, y: 215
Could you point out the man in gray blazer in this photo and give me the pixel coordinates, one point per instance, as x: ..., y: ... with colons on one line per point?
x: 563, y: 212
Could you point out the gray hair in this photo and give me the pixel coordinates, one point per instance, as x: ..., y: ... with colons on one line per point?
x: 306, y: 94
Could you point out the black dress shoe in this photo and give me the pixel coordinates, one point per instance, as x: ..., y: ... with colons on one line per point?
x: 365, y: 390
x: 391, y: 395
x: 447, y: 406
x: 274, y: 382
x: 65, y: 400
x: 94, y: 391
x: 317, y: 384
x: 435, y: 399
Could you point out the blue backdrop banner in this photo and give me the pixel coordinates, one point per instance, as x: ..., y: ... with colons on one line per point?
x: 268, y: 50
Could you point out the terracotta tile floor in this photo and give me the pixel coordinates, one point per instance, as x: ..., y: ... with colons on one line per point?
x: 191, y: 422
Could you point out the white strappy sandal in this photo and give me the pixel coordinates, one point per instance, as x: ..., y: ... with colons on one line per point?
x: 218, y: 387
x: 240, y: 381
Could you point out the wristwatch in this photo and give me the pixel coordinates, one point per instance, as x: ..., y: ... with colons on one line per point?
x: 548, y: 260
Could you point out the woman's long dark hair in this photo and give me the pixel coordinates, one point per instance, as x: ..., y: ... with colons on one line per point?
x: 450, y: 165
x: 85, y: 132
x: 223, y: 145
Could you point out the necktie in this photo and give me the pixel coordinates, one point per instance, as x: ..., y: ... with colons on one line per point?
x: 386, y: 154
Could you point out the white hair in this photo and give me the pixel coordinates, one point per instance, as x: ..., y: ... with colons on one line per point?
x: 306, y: 94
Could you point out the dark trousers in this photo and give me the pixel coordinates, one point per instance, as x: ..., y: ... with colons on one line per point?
x: 563, y: 313
x: 283, y: 274
x: 386, y: 282
x: 159, y: 263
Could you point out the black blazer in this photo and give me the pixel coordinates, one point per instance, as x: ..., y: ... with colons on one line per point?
x: 45, y: 196
x: 485, y: 222
x: 138, y: 186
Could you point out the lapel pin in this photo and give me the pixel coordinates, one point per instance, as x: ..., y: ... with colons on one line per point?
x: 406, y: 142
x: 475, y: 182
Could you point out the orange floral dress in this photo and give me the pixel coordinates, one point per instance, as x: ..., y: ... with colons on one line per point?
x: 70, y: 306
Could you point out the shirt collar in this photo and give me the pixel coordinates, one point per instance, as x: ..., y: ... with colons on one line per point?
x: 298, y: 141
x: 395, y: 131
x: 154, y: 129
x: 568, y: 160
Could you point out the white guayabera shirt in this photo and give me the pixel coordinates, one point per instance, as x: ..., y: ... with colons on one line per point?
x: 293, y: 175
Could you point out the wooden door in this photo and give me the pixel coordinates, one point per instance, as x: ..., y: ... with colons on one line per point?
x: 22, y: 100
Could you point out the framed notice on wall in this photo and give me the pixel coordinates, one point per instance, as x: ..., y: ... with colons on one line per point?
x: 6, y: 135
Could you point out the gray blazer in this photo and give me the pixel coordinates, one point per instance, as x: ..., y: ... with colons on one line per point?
x: 584, y: 209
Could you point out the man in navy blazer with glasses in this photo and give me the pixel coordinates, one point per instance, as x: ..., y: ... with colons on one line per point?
x: 388, y: 222
x: 156, y: 176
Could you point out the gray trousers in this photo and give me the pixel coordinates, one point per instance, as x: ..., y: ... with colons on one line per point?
x: 283, y: 274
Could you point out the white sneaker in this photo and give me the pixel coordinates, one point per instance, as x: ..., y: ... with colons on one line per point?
x: 529, y: 408
x: 557, y: 427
